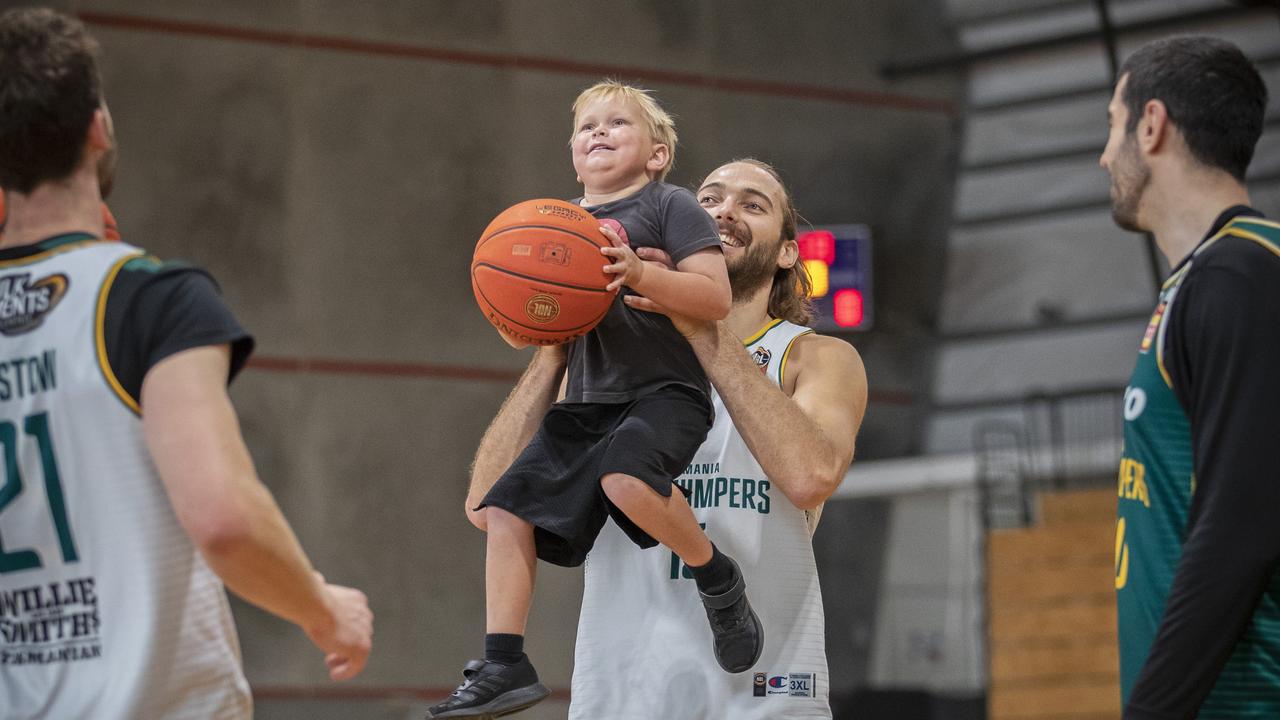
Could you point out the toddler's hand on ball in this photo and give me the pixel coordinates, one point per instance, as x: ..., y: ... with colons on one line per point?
x: 627, y: 268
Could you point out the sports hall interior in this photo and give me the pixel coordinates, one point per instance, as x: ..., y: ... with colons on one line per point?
x: 332, y: 163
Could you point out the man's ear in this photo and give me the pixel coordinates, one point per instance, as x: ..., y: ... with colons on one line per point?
x: 98, y: 136
x: 788, y: 254
x: 1154, y: 127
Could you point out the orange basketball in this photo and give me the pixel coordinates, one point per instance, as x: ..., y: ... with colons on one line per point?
x: 537, y: 272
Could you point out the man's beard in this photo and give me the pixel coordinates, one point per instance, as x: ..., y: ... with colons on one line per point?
x: 754, y: 268
x: 1129, y: 179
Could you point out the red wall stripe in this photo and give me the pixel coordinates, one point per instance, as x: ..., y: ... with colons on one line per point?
x: 376, y: 368
x: 330, y: 366
x: 801, y: 91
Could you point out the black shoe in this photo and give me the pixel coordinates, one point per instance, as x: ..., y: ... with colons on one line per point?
x: 492, y: 689
x: 739, y: 636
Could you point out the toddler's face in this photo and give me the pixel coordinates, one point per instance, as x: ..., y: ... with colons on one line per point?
x: 611, y: 143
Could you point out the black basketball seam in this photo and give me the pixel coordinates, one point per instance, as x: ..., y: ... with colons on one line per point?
x: 522, y: 276
x: 566, y: 231
x: 542, y: 328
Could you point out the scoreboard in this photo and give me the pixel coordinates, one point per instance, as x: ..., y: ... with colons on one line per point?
x: 838, y: 259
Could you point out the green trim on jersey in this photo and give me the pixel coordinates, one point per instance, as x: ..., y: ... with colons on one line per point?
x: 53, y: 246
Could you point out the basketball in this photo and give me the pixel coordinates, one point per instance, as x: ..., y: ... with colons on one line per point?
x: 537, y: 275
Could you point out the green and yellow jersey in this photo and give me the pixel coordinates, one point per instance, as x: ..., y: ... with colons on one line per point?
x: 1198, y: 529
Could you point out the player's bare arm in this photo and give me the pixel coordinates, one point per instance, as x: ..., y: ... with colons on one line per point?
x: 804, y: 442
x: 515, y: 424
x: 195, y: 441
x: 698, y: 287
x: 803, y: 434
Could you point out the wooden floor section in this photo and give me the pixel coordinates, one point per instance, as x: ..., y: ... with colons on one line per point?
x: 1052, y: 612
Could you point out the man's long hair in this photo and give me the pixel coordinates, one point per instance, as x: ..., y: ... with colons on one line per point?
x: 789, y: 294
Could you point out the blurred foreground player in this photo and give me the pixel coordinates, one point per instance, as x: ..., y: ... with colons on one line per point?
x: 1198, y: 535
x: 127, y: 490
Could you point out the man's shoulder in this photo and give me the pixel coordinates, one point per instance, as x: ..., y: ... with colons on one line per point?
x: 1266, y: 229
x: 825, y: 359
x: 828, y: 348
x: 145, y: 266
x: 1249, y: 248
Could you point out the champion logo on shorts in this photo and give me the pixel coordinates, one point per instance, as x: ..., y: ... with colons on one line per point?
x: 796, y: 684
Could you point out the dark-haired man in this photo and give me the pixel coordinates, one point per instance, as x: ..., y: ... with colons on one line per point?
x: 1197, y: 540
x: 788, y: 406
x: 128, y: 497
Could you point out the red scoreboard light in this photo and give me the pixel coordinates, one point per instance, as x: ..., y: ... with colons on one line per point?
x: 838, y: 258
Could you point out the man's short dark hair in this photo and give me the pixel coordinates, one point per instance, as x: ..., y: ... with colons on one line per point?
x: 1212, y: 92
x: 49, y: 90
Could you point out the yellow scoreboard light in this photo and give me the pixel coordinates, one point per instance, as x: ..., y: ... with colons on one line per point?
x: 838, y: 259
x: 819, y: 278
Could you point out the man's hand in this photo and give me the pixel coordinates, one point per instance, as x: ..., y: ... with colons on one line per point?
x: 517, y: 344
x: 348, y: 636
x: 656, y: 256
x: 628, y: 268
x: 688, y: 327
x: 685, y: 325
x: 514, y: 426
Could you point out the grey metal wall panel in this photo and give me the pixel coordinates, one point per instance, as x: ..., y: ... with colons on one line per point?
x: 1266, y: 157
x: 1065, y: 18
x: 966, y: 11
x: 1067, y: 182
x: 1084, y: 65
x: 1022, y: 132
x: 1006, y: 30
x: 1055, y: 70
x: 1060, y: 267
x: 1048, y: 361
x: 954, y: 431
x: 1022, y: 188
x: 1254, y: 33
x: 1072, y: 123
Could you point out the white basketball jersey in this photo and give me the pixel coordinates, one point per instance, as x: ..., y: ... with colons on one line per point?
x: 644, y: 647
x: 107, y: 611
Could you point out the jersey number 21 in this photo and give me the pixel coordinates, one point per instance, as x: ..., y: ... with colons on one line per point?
x: 37, y: 427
